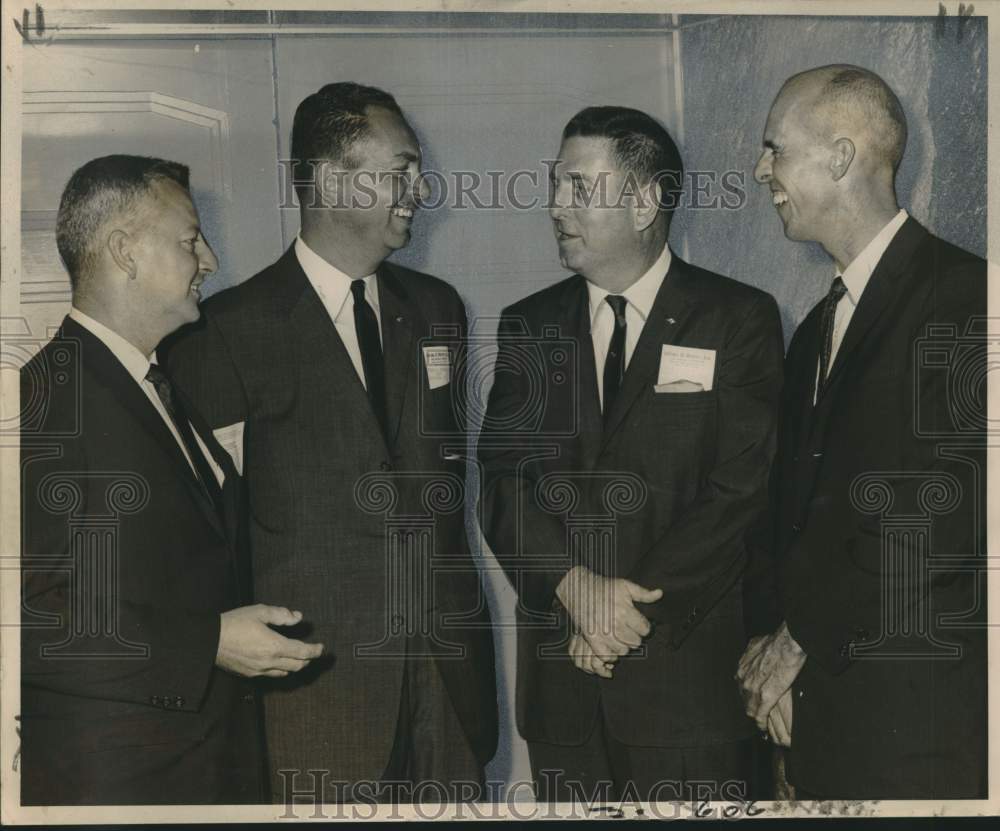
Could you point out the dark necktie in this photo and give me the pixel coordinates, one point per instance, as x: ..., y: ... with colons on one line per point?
x: 837, y: 290
x: 614, y: 364
x: 172, y: 404
x: 366, y: 325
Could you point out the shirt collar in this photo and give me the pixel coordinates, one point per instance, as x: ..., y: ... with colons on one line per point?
x: 859, y: 272
x: 331, y: 284
x: 135, y: 363
x: 641, y: 294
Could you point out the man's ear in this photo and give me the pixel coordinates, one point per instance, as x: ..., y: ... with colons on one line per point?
x: 120, y: 246
x: 648, y: 205
x: 330, y: 191
x: 843, y: 155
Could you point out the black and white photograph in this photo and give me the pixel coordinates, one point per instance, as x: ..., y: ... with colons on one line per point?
x: 498, y: 410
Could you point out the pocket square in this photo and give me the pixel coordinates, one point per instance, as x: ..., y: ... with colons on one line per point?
x: 679, y: 386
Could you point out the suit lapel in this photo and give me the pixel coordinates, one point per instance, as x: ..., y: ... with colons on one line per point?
x: 321, y: 350
x: 232, y: 485
x: 397, y: 316
x: 109, y: 369
x: 665, y: 324
x: 879, y: 292
x: 575, y: 324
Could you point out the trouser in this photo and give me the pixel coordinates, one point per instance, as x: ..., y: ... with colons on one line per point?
x: 603, y: 769
x: 431, y: 760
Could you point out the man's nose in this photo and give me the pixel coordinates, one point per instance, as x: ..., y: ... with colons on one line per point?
x: 420, y: 187
x: 208, y: 262
x: 557, y: 207
x: 762, y: 170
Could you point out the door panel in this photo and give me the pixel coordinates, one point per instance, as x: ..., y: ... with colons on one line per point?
x: 200, y: 103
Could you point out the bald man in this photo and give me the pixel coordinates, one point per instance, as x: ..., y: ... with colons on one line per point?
x: 870, y: 659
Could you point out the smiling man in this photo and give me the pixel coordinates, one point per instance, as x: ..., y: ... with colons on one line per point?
x: 618, y: 511
x: 873, y: 665
x: 134, y: 648
x: 332, y: 376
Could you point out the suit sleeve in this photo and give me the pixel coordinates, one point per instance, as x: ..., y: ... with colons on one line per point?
x: 704, y: 552
x: 854, y: 585
x: 79, y: 636
x: 762, y: 612
x: 528, y: 542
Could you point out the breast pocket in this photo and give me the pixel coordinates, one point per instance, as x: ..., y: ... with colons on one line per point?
x: 681, y: 410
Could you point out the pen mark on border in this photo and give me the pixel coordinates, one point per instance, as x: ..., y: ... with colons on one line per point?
x: 29, y: 33
x: 964, y: 13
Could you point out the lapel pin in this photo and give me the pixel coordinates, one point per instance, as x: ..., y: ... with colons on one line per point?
x: 399, y: 318
x: 671, y: 321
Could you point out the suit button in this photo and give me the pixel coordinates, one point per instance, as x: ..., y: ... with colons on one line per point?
x: 179, y: 701
x: 796, y: 528
x: 386, y: 466
x: 154, y: 700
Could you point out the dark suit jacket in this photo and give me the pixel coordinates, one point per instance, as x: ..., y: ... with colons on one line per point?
x: 664, y: 494
x: 127, y: 566
x: 365, y: 535
x: 887, y: 468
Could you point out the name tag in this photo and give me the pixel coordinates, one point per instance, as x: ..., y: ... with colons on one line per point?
x: 231, y: 439
x: 437, y: 359
x: 686, y: 363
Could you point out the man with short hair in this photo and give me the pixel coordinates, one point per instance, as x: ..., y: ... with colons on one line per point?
x: 625, y: 451
x: 134, y: 644
x: 873, y: 665
x: 336, y: 374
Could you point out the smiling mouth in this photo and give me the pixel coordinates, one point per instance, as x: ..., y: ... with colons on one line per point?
x: 402, y: 212
x: 778, y: 198
x: 562, y: 235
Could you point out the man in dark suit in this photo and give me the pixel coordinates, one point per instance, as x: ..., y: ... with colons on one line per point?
x: 339, y: 373
x: 130, y: 676
x: 874, y: 668
x: 625, y: 450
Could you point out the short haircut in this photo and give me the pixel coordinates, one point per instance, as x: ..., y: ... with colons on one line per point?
x: 641, y: 146
x: 861, y: 98
x: 105, y: 189
x: 328, y: 124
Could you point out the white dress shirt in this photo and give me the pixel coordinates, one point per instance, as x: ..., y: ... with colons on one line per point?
x: 856, y: 277
x: 639, y: 299
x: 334, y: 290
x: 137, y: 365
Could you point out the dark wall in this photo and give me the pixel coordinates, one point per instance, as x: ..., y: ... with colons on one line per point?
x: 734, y: 66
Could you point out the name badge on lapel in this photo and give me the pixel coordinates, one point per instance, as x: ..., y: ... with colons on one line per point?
x: 231, y: 439
x: 685, y: 369
x: 437, y: 359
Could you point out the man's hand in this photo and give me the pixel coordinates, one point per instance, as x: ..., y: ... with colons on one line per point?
x: 779, y: 721
x: 249, y: 647
x: 585, y: 659
x: 603, y: 611
x: 767, y: 669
